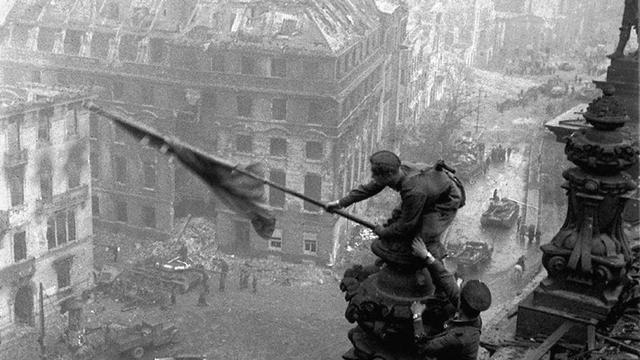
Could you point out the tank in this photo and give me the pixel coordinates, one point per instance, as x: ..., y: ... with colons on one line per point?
x: 501, y: 213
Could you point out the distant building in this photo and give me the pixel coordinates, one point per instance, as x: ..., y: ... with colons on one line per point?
x: 309, y: 89
x: 45, y: 207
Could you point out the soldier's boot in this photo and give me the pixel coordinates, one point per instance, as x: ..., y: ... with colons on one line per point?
x: 625, y: 33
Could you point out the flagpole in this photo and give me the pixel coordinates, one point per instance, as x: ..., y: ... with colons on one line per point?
x: 98, y: 110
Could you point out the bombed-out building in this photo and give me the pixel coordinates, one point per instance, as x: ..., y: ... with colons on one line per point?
x: 307, y: 88
x: 45, y: 206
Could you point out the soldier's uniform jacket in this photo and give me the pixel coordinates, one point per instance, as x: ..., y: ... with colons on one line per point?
x: 422, y: 192
x: 459, y: 341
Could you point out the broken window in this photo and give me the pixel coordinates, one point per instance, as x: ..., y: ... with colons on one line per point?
x: 279, y: 109
x: 248, y: 65
x: 72, y: 120
x: 36, y: 76
x: 73, y: 173
x: 312, y: 189
x: 19, y: 246
x: 13, y: 134
x: 278, y: 147
x: 100, y: 45
x: 146, y: 94
x: 310, y: 243
x: 244, y: 143
x: 44, y: 125
x: 149, y: 216
x: 72, y: 42
x: 46, y: 37
x: 275, y: 241
x: 288, y: 26
x: 63, y: 273
x: 245, y: 105
x: 120, y: 163
x: 121, y: 211
x: 61, y: 228
x: 314, y: 150
x: 94, y: 129
x: 16, y: 186
x: 277, y: 197
x: 95, y: 205
x: 94, y: 159
x: 278, y: 67
x: 46, y: 187
x: 149, y: 169
x: 311, y: 69
x: 156, y: 51
x: 128, y: 48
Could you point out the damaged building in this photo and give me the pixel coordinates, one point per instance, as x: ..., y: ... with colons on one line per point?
x: 307, y: 88
x: 45, y: 206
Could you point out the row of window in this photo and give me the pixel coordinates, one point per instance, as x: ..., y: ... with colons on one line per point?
x: 278, y: 147
x: 121, y: 170
x: 130, y: 45
x: 61, y: 229
x: 17, y: 183
x: 358, y: 53
x: 122, y: 212
x: 309, y: 242
x: 14, y: 128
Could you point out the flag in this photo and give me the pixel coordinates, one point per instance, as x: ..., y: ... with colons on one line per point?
x: 241, y: 188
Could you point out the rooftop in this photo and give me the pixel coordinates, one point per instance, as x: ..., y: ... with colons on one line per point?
x: 326, y: 25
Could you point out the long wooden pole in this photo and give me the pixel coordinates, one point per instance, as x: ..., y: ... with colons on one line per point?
x: 98, y: 110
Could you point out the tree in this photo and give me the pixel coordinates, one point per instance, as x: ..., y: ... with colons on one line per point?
x: 430, y: 139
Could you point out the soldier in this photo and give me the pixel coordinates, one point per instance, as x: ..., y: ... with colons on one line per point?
x: 173, y: 295
x: 183, y: 253
x: 537, y: 235
x: 244, y: 276
x: 461, y: 338
x: 531, y: 231
x: 202, y: 298
x: 224, y: 270
x: 430, y: 199
x: 254, y: 284
x: 445, y: 282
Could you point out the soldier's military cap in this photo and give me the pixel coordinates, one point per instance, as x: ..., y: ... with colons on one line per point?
x: 384, y: 159
x: 476, y: 294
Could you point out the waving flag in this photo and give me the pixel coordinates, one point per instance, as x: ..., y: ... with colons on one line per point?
x: 241, y: 188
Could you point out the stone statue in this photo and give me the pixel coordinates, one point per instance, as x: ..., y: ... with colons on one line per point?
x: 85, y: 44
x: 142, y: 55
x: 629, y: 20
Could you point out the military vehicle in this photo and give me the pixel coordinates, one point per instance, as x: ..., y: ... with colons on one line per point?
x: 472, y: 255
x: 133, y: 341
x: 501, y: 213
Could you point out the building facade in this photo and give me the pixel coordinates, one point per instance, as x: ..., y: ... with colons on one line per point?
x: 45, y: 206
x: 307, y: 89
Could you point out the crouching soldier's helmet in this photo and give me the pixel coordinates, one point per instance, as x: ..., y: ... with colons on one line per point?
x: 475, y: 296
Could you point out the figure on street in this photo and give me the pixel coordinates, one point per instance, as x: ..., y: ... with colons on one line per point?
x: 531, y: 230
x: 461, y: 338
x: 224, y: 271
x: 495, y: 196
x: 430, y: 198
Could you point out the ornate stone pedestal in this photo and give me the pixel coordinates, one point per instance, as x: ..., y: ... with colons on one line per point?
x: 586, y: 259
x: 379, y: 298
